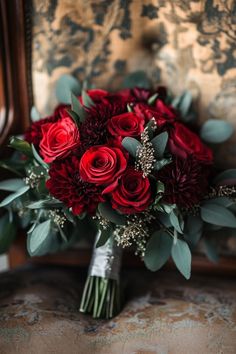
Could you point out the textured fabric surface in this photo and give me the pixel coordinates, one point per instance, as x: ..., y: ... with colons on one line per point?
x: 163, y: 314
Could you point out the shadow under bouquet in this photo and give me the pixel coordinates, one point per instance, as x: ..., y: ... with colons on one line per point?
x: 130, y: 168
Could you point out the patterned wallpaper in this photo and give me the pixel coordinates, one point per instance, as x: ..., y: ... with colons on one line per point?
x: 182, y: 44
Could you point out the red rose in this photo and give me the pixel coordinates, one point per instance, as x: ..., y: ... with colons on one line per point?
x: 103, y: 165
x: 96, y: 95
x: 34, y: 133
x: 126, y: 124
x: 163, y: 114
x: 184, y: 142
x: 133, y: 193
x: 58, y: 139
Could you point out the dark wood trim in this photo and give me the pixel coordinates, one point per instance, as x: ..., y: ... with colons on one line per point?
x: 15, y: 80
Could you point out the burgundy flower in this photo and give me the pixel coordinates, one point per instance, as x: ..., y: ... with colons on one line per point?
x: 34, y: 133
x: 94, y: 129
x: 66, y: 185
x: 185, y: 180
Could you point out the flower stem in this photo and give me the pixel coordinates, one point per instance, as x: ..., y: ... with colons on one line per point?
x: 101, y: 297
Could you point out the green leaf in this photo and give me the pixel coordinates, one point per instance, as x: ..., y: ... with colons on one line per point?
x: 224, y: 201
x: 78, y: 108
x: 216, y: 131
x: 104, y: 237
x: 185, y: 103
x: 64, y: 86
x: 106, y: 210
x: 137, y: 79
x: 38, y: 241
x: 45, y: 204
x: 131, y: 145
x: 160, y: 187
x: 152, y: 99
x: 193, y: 229
x: 21, y: 145
x: 38, y: 158
x: 176, y: 221
x: 211, y: 249
x: 158, y: 250
x: 217, y: 215
x: 74, y: 116
x: 182, y: 257
x: 13, y: 196
x: 151, y: 128
x: 226, y: 177
x: 129, y: 108
x: 11, y: 166
x: 87, y: 100
x: 7, y: 233
x: 159, y: 144
x: 158, y: 165
x: 12, y: 185
x: 34, y: 114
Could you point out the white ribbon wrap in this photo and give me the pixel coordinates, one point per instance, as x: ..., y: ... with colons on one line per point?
x: 106, y: 260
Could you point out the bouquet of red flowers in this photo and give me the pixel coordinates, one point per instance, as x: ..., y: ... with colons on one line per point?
x: 131, y: 168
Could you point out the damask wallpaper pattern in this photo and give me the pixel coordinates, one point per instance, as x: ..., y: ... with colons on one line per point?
x: 182, y: 44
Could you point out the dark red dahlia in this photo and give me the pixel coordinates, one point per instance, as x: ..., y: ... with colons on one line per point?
x: 66, y: 185
x: 34, y: 134
x: 185, y: 180
x: 94, y: 129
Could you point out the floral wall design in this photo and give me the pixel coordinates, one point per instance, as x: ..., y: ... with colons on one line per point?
x: 182, y: 44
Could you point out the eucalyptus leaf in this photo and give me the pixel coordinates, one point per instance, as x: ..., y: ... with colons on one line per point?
x: 78, y: 108
x: 34, y: 114
x: 211, y: 250
x: 38, y: 241
x: 158, y: 165
x: 193, y: 229
x: 216, y: 131
x: 158, y: 250
x: 175, y: 220
x: 21, y: 145
x: 13, y: 196
x: 11, y: 166
x: 129, y: 108
x: 45, y: 204
x: 87, y: 100
x: 185, y: 103
x: 224, y: 201
x: 160, y: 187
x: 131, y: 145
x: 38, y: 158
x: 182, y: 257
x: 159, y: 144
x: 12, y: 185
x: 152, y: 99
x: 64, y: 86
x: 226, y: 177
x: 7, y: 233
x: 137, y: 79
x: 217, y: 215
x: 111, y: 214
x: 74, y: 116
